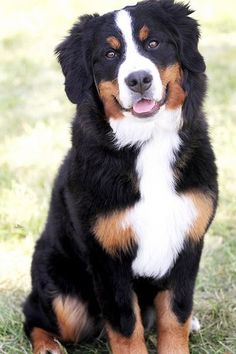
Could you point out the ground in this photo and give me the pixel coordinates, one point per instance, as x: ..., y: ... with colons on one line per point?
x: 34, y: 135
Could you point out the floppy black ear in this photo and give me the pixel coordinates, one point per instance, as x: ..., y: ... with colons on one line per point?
x: 189, y: 53
x: 73, y: 55
x: 190, y: 57
x: 186, y: 35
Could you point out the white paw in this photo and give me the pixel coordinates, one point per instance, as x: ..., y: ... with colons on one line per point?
x: 195, y: 325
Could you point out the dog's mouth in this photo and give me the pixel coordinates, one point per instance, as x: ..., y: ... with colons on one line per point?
x: 145, y: 108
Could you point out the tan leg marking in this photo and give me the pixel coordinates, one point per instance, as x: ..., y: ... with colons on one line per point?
x: 135, y: 344
x: 172, y: 336
x: 43, y: 341
x: 112, y: 233
x: 108, y: 91
x: 113, y: 42
x: 205, y: 210
x: 143, y: 33
x: 171, y: 76
x: 72, y: 318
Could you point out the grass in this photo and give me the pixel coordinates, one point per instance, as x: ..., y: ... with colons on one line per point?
x: 34, y: 127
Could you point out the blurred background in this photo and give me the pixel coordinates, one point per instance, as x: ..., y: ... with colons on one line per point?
x: 35, y: 118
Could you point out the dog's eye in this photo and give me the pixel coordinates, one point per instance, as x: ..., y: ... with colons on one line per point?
x: 153, y: 44
x: 110, y: 54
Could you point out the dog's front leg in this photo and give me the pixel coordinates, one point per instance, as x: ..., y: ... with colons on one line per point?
x: 119, y: 305
x: 173, y: 336
x: 174, y: 305
x: 131, y: 342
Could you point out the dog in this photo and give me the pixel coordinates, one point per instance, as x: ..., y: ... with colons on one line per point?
x: 136, y: 192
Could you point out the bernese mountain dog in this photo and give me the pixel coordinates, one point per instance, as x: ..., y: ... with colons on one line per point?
x: 136, y: 192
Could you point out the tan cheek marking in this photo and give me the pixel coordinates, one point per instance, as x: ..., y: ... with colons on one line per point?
x: 113, y: 42
x: 135, y: 344
x: 172, y: 336
x: 171, y: 73
x: 111, y: 233
x: 205, y: 210
x: 72, y: 318
x: 171, y: 76
x: 176, y: 96
x: 143, y: 33
x: 108, y: 91
x: 43, y: 341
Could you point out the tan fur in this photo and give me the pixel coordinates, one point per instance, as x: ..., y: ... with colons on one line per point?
x: 170, y: 73
x: 143, y: 33
x: 204, y: 206
x: 113, y: 42
x: 112, y: 234
x: 135, y: 344
x: 43, y: 341
x: 176, y: 96
x: 172, y: 336
x: 171, y: 76
x: 108, y: 91
x: 72, y: 318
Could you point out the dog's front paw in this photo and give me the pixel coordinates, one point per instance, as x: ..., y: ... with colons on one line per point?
x: 195, y: 325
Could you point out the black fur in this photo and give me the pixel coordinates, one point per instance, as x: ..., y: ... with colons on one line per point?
x: 96, y: 178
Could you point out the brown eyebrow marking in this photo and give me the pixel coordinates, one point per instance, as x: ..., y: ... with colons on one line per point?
x: 143, y: 33
x: 114, y: 42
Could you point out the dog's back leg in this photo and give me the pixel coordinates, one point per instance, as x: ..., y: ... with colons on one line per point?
x: 64, y: 319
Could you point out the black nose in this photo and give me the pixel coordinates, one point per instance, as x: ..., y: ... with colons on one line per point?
x: 139, y: 81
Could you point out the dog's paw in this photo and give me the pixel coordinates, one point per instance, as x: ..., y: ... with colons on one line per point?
x: 49, y: 351
x: 195, y: 325
x: 49, y: 347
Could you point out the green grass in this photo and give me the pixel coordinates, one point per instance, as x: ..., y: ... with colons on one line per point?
x: 34, y: 135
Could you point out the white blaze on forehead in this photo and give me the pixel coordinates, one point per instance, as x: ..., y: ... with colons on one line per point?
x: 124, y: 22
x: 134, y: 61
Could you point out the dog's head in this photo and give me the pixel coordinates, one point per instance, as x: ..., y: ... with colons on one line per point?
x: 137, y: 60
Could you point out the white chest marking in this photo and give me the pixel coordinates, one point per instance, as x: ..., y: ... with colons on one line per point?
x: 161, y: 218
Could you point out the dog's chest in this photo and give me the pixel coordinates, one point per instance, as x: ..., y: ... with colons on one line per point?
x: 161, y: 219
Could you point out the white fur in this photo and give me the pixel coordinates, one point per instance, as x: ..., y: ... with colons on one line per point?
x: 161, y: 218
x: 134, y: 61
x: 131, y: 130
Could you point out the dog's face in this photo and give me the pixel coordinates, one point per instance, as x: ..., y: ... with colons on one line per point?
x: 135, y: 66
x: 136, y: 58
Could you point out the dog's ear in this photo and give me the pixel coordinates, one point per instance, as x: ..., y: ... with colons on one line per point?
x: 190, y: 57
x: 74, y: 58
x: 187, y: 35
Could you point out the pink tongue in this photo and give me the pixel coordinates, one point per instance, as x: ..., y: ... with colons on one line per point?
x: 143, y: 106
